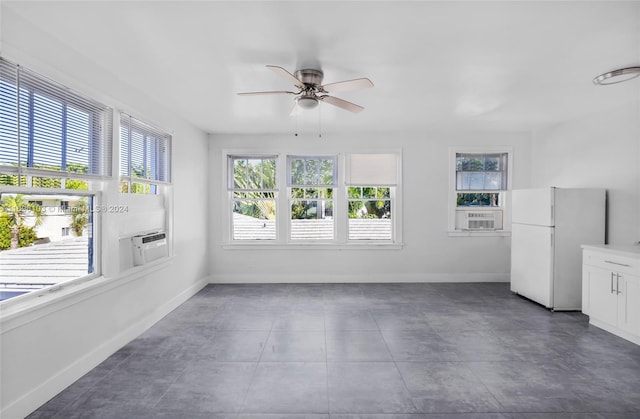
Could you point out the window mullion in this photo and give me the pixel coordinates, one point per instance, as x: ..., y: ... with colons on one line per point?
x: 145, y: 172
x: 19, y: 125
x: 283, y: 202
x: 31, y: 128
x: 93, y: 150
x: 340, y: 210
x: 63, y: 157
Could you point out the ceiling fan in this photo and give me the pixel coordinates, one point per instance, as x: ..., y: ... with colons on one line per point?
x: 311, y: 91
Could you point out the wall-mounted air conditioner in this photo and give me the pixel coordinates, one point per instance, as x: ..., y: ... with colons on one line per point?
x: 482, y: 220
x: 149, y: 247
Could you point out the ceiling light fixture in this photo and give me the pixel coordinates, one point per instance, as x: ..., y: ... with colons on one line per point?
x: 617, y: 76
x: 307, y: 102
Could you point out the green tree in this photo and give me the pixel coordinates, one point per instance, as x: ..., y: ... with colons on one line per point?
x: 76, y: 184
x: 369, y: 202
x: 251, y: 175
x: 26, y: 235
x: 15, y: 209
x: 46, y: 182
x: 489, y: 199
x: 79, y: 217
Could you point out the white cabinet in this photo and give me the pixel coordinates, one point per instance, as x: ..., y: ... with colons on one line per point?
x: 611, y: 289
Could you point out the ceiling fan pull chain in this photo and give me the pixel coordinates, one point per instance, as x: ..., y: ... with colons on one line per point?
x: 319, y: 122
x: 296, y: 133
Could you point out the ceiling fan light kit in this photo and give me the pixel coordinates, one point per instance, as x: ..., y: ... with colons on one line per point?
x: 617, y: 76
x: 311, y: 91
x: 307, y: 102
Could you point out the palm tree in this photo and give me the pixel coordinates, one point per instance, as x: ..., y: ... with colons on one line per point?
x: 79, y: 217
x: 15, y: 207
x: 254, y: 177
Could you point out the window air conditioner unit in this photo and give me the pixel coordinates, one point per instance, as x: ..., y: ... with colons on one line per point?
x: 483, y: 220
x: 149, y: 247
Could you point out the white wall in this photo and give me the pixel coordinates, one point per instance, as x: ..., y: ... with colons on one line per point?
x: 429, y: 253
x: 601, y: 151
x: 46, y: 348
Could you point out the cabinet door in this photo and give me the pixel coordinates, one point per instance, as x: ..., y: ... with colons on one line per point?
x: 629, y: 303
x: 603, y: 303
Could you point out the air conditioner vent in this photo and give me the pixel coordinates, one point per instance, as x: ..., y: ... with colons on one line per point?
x: 153, y: 238
x: 482, y: 220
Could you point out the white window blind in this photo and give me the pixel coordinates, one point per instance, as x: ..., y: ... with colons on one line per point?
x: 144, y: 151
x: 45, y: 126
x: 481, y: 171
x: 372, y: 169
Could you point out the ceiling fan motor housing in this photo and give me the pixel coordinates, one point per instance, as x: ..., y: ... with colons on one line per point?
x: 310, y: 76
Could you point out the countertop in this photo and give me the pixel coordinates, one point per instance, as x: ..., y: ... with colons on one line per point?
x: 628, y: 250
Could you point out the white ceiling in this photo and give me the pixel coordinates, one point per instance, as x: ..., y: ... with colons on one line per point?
x: 435, y: 65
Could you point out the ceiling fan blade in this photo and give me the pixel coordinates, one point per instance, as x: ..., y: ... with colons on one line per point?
x: 284, y: 73
x: 352, y: 107
x: 347, y: 85
x: 274, y: 92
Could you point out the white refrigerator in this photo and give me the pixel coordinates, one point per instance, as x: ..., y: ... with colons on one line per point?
x: 548, y: 227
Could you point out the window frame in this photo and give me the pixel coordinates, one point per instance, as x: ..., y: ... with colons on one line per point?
x: 228, y: 177
x: 318, y: 186
x: 66, y: 130
x: 283, y: 214
x: 100, y: 141
x: 95, y: 235
x: 392, y: 206
x: 107, y: 204
x: 504, y: 198
x: 149, y: 133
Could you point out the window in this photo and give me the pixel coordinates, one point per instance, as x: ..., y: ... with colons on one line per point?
x: 372, y: 179
x: 144, y: 157
x: 43, y: 245
x: 481, y: 183
x: 313, y: 199
x: 369, y: 213
x: 311, y: 180
x: 50, y: 138
x: 253, y: 190
x: 48, y: 133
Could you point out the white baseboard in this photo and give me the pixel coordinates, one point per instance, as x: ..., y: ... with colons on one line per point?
x: 307, y: 278
x: 30, y: 401
x: 612, y: 329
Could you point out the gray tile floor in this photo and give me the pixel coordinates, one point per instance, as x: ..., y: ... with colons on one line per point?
x: 377, y: 351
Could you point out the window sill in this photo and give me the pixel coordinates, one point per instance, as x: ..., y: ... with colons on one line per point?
x: 43, y: 302
x: 477, y: 233
x: 314, y: 246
